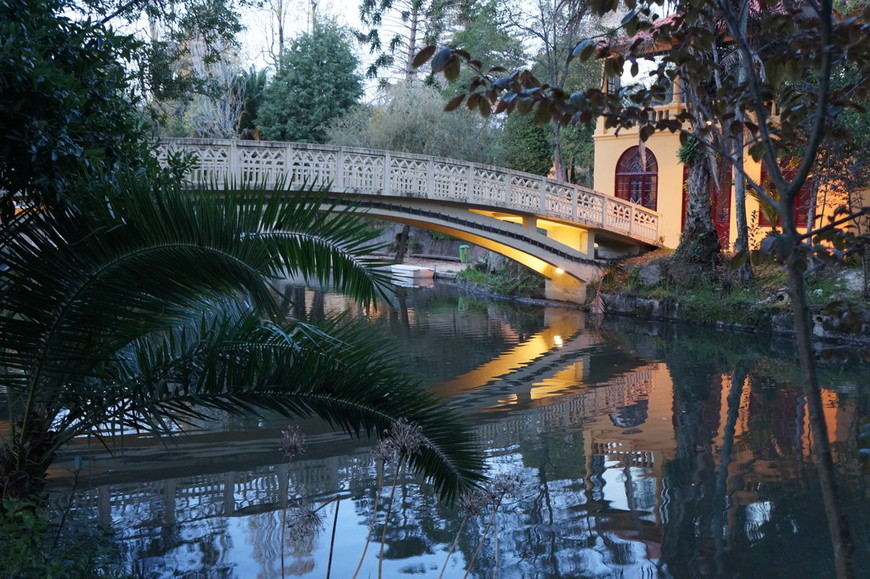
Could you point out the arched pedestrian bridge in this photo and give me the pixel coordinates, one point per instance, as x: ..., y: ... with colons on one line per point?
x: 555, y: 228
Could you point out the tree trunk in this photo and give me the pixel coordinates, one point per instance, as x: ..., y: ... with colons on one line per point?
x: 838, y: 526
x: 741, y: 243
x: 24, y: 462
x: 410, y: 71
x: 559, y: 172
x: 699, y: 243
x: 402, y: 243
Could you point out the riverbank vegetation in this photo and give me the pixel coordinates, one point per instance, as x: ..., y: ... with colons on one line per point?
x: 512, y: 280
x: 716, y: 295
x: 783, y: 114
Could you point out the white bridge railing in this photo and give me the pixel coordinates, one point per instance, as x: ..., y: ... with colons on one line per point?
x: 371, y: 172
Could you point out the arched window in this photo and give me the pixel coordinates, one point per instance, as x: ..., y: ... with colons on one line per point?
x: 637, y: 177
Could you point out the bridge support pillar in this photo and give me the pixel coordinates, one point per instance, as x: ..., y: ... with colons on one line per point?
x: 582, y: 240
x: 565, y: 288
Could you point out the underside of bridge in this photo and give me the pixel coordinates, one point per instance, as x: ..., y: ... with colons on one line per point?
x: 563, y: 254
x: 560, y: 285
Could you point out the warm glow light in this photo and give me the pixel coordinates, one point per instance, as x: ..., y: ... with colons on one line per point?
x: 510, y: 399
x: 560, y: 270
x: 558, y: 341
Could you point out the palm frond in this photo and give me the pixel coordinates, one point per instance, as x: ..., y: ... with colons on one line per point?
x: 339, y: 372
x: 151, y: 305
x: 144, y: 260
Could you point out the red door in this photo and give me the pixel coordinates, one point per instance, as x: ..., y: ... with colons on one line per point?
x: 720, y: 200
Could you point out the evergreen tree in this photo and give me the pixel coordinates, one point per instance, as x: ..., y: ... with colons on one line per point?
x: 527, y: 145
x: 62, y: 110
x: 317, y: 83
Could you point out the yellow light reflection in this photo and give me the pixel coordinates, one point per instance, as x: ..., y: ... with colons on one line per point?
x: 560, y: 324
x: 567, y: 378
x: 509, y: 400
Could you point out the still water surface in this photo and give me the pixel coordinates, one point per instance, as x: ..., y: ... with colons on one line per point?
x: 643, y: 451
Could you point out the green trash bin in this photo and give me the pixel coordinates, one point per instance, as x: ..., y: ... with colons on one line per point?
x: 464, y: 253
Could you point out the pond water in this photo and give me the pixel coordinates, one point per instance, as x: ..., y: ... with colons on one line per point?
x: 642, y: 451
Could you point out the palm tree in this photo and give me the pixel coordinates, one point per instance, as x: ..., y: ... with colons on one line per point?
x: 147, y: 306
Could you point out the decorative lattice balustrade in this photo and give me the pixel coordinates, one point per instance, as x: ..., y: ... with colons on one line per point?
x: 370, y: 172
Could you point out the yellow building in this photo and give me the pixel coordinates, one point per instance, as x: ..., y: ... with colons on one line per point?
x: 652, y: 175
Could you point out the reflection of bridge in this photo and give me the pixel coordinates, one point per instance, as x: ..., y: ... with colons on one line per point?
x: 185, y: 491
x: 552, y: 227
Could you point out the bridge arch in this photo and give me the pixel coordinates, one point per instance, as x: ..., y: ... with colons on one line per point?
x: 566, y: 271
x: 556, y: 229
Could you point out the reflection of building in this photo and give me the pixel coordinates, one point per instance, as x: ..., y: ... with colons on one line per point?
x: 602, y: 482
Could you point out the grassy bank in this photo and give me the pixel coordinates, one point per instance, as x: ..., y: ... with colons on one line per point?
x: 513, y: 281
x: 716, y: 296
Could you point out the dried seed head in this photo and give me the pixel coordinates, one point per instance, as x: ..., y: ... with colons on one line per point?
x: 305, y: 521
x: 384, y: 450
x: 505, y: 485
x: 407, y: 437
x: 293, y: 441
x: 474, y: 502
x: 403, y: 440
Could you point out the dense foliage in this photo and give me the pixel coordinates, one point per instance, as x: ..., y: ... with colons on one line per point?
x: 128, y: 298
x: 412, y: 120
x: 317, y: 82
x: 62, y: 105
x: 88, y: 340
x: 776, y: 99
x: 396, y: 28
x: 527, y: 145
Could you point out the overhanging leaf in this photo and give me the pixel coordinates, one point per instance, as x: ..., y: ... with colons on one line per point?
x: 440, y: 60
x: 453, y: 103
x: 423, y: 56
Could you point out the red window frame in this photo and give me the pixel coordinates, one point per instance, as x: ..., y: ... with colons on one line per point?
x: 802, y: 203
x: 637, y: 176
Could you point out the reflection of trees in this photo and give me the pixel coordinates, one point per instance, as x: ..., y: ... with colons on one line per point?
x: 738, y: 506
x: 688, y: 481
x: 720, y: 498
x: 564, y: 524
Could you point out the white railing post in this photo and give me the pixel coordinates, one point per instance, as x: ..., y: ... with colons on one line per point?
x: 575, y: 192
x: 288, y: 164
x: 387, y: 174
x: 338, y: 183
x: 469, y: 168
x: 233, y: 170
x: 430, y: 180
